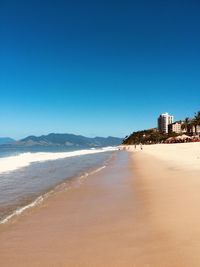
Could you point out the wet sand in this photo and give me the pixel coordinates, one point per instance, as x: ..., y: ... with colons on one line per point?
x: 137, y: 212
x: 90, y: 225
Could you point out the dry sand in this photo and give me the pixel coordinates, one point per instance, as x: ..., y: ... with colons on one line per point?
x: 184, y: 156
x: 141, y: 211
x: 169, y: 185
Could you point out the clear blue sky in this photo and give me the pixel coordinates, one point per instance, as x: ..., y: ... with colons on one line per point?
x: 97, y: 67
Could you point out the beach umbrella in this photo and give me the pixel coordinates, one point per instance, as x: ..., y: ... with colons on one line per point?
x: 183, y: 137
x: 170, y: 139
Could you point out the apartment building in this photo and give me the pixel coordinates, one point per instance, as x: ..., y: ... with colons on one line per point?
x: 176, y: 127
x: 163, y: 121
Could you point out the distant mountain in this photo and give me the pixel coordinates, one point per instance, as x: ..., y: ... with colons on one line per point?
x: 54, y: 139
x: 6, y: 140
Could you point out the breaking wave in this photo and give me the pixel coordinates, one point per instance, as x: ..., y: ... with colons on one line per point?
x: 12, y: 163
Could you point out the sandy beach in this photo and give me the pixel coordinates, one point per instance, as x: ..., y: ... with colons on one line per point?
x: 141, y: 211
x: 169, y: 185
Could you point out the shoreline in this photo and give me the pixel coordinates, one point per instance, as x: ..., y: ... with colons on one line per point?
x: 30, y: 202
x: 88, y: 226
x: 16, y: 162
x: 64, y: 186
x: 142, y: 210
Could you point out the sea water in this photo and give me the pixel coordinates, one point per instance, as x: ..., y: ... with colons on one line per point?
x: 27, y: 175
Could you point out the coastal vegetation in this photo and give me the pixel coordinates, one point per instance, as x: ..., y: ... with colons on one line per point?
x: 190, y: 125
x: 151, y: 136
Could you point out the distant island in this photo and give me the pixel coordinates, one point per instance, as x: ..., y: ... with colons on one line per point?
x: 56, y: 139
x: 6, y: 140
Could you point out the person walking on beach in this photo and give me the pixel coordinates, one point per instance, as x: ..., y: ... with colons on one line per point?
x: 141, y: 146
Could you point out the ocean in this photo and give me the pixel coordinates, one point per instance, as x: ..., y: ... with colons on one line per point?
x: 28, y: 175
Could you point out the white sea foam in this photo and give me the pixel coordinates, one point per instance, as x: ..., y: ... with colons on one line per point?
x: 98, y: 170
x: 13, y: 163
x: 86, y: 174
x: 20, y: 210
x: 38, y: 200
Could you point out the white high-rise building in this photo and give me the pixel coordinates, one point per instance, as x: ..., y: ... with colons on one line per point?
x: 163, y: 121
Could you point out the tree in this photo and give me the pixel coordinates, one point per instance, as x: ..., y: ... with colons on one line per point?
x: 186, y: 125
x: 196, y: 121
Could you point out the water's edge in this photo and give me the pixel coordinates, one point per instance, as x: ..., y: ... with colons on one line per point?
x: 63, y: 186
